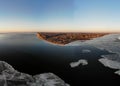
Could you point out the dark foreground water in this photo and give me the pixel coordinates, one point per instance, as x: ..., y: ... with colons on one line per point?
x: 28, y: 54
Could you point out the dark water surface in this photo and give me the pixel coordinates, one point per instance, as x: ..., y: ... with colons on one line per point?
x: 28, y: 54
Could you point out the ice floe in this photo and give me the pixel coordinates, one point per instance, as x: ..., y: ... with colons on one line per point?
x: 86, y: 51
x: 118, y: 38
x: 81, y: 61
x: 109, y: 43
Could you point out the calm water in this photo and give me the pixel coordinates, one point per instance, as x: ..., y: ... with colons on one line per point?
x: 28, y: 54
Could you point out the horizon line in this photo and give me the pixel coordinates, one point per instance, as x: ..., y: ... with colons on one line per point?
x: 60, y: 32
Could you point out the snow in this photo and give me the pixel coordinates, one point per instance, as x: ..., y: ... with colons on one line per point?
x: 49, y: 79
x: 117, y: 72
x: 111, y: 64
x: 86, y: 51
x: 109, y: 43
x: 118, y: 38
x: 81, y: 61
x: 10, y: 77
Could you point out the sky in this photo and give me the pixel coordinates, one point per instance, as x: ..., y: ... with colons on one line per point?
x: 59, y: 16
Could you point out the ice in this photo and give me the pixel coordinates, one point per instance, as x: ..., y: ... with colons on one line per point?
x: 49, y: 79
x: 117, y: 72
x: 111, y: 64
x: 81, y: 61
x: 86, y: 51
x: 118, y: 38
x: 108, y: 42
x: 11, y: 77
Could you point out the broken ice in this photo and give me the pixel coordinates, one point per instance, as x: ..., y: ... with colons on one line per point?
x: 118, y: 38
x: 109, y: 43
x: 86, y: 51
x: 75, y: 64
x: 111, y: 62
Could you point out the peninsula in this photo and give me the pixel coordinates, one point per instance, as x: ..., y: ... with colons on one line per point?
x: 65, y: 38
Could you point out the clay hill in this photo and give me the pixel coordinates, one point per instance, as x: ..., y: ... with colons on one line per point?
x: 65, y: 38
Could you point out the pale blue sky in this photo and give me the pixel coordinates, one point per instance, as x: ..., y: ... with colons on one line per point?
x: 97, y: 15
x: 59, y: 15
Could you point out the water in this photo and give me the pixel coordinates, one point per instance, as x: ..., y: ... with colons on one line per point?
x: 28, y: 54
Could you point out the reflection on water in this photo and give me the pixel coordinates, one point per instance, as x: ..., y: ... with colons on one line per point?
x: 27, y: 53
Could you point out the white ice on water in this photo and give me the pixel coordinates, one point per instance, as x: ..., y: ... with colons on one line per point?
x: 81, y: 61
x: 108, y: 42
x: 86, y: 51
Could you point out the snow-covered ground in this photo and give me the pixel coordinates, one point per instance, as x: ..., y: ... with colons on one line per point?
x: 11, y: 77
